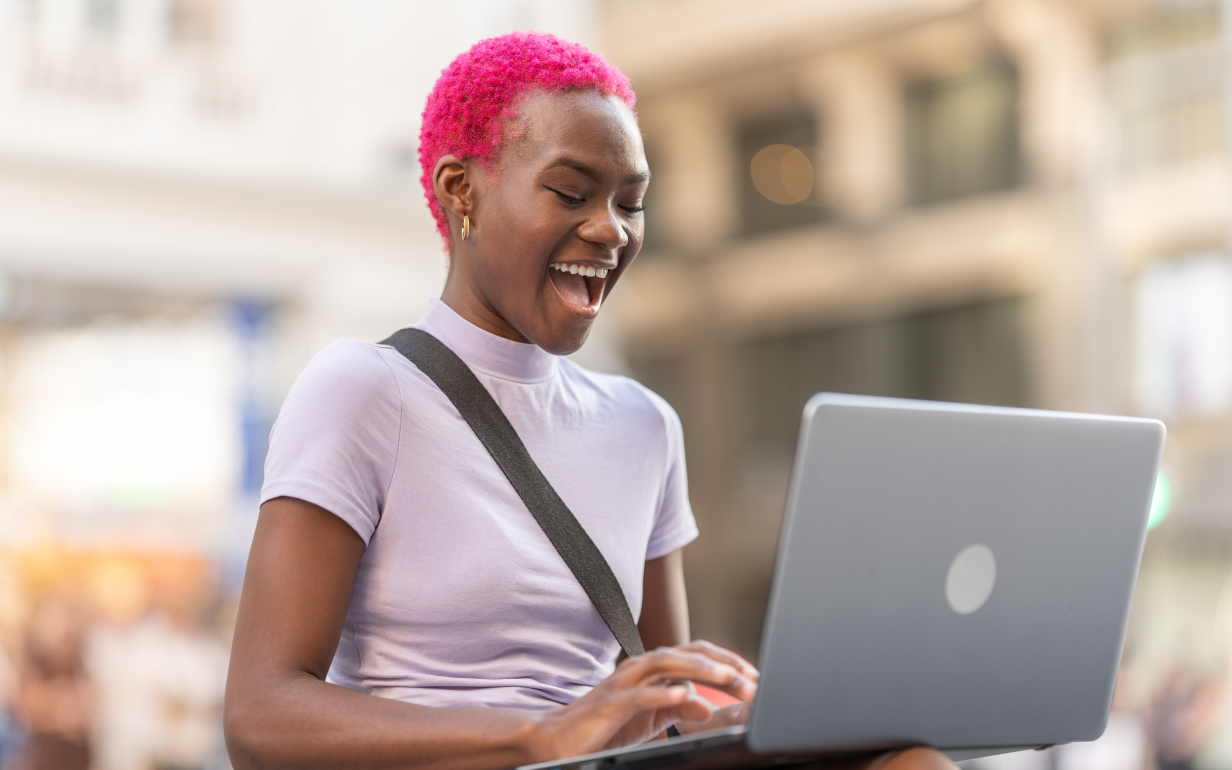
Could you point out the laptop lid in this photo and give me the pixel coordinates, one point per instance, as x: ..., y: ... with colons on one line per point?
x: 952, y: 575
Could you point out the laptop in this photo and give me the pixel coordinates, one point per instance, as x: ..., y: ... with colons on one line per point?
x: 948, y: 575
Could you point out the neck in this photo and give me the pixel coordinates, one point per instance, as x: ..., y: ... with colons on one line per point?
x: 462, y: 300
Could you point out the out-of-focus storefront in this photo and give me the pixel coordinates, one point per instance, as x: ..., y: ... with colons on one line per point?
x: 132, y: 451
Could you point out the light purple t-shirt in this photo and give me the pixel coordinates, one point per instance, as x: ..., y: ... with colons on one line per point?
x: 460, y: 599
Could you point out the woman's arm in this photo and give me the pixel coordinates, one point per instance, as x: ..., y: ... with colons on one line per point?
x: 665, y: 606
x: 280, y: 712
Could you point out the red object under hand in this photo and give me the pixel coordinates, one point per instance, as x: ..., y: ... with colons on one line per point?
x: 717, y: 697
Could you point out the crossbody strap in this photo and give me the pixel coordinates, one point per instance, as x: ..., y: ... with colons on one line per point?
x: 484, y: 415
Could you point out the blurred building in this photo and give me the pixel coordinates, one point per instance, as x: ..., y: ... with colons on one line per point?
x: 195, y: 197
x: 1019, y: 202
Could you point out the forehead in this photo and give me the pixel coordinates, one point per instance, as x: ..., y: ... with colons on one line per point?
x: 588, y: 123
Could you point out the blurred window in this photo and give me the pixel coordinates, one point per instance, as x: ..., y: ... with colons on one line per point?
x: 26, y: 10
x: 970, y: 353
x: 780, y: 173
x: 973, y: 353
x: 1165, y: 80
x: 124, y: 428
x: 1183, y: 337
x: 962, y: 134
x: 102, y: 16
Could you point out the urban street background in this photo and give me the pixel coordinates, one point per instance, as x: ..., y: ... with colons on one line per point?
x: 1019, y: 202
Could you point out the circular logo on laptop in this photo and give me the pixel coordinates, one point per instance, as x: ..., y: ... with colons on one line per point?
x: 972, y: 575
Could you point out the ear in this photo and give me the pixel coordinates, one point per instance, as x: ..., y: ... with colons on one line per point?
x: 452, y: 183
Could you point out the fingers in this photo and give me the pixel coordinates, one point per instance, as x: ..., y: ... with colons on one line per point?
x: 671, y: 703
x: 646, y: 710
x: 727, y: 716
x: 644, y: 696
x: 737, y: 688
x: 733, y: 714
x: 687, y: 663
x: 678, y: 700
x: 725, y: 656
x: 650, y: 698
x: 693, y: 709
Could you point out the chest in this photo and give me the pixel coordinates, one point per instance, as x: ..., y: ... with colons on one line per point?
x: 455, y: 544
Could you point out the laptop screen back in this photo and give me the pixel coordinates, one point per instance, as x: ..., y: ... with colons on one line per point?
x: 952, y: 575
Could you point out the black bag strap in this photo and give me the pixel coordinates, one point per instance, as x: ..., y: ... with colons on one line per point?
x: 484, y: 415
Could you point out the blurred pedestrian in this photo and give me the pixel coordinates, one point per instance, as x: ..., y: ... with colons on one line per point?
x: 12, y: 733
x: 55, y: 695
x: 1180, y: 719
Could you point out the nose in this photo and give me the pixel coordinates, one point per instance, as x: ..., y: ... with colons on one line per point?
x: 605, y: 229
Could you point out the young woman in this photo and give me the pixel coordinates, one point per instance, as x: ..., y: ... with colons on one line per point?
x: 401, y: 607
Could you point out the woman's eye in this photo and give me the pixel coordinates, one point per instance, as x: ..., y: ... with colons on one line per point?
x: 633, y: 209
x: 566, y: 198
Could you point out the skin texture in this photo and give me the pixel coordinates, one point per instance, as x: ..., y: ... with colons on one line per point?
x: 567, y: 191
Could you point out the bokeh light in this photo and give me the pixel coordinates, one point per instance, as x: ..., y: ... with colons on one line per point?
x: 783, y: 174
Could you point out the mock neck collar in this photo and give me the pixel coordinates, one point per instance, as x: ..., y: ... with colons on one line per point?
x: 485, y: 352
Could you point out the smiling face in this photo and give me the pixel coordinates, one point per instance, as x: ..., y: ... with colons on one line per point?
x: 555, y: 227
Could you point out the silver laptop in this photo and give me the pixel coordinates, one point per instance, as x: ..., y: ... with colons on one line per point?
x: 948, y: 575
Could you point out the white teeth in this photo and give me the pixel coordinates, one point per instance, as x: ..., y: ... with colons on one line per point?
x: 586, y: 270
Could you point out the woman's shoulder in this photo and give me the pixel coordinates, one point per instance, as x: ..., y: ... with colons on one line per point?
x: 635, y: 399
x: 349, y: 368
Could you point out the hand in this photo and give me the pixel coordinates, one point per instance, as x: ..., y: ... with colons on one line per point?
x: 642, y: 697
x: 726, y: 716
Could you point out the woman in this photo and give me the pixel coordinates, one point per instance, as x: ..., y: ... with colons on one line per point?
x: 401, y: 606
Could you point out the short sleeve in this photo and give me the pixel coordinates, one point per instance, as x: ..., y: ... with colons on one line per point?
x: 674, y: 525
x: 335, y: 442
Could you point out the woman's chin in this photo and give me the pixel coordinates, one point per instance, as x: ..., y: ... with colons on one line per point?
x: 561, y: 327
x: 566, y: 336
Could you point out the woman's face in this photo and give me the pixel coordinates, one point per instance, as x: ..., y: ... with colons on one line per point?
x: 555, y: 227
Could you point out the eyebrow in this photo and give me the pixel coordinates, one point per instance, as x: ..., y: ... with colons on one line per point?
x: 565, y: 161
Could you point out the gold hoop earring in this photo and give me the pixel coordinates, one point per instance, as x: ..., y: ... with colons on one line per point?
x: 466, y: 227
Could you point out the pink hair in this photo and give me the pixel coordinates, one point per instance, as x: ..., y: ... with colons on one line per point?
x: 478, y: 91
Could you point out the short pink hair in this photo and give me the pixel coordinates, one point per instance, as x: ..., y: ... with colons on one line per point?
x: 478, y: 91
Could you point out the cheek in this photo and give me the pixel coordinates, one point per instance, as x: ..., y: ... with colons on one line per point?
x: 637, y: 233
x: 520, y: 255
x: 537, y: 233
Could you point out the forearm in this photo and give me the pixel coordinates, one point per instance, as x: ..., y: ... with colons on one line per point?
x: 300, y: 721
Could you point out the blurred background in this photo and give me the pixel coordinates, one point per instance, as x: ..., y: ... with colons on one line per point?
x: 1019, y: 202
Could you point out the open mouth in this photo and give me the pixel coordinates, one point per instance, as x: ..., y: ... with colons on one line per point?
x: 580, y: 286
